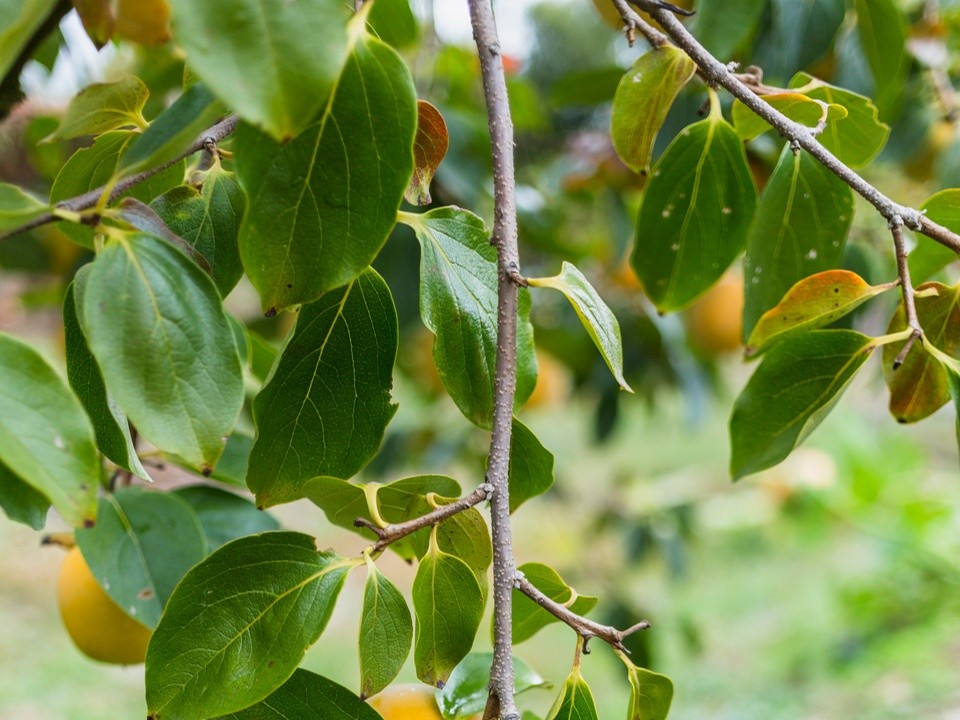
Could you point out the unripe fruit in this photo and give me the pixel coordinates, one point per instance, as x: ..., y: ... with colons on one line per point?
x: 96, y: 624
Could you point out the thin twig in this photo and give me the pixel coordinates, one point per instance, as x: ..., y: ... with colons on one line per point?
x: 906, y: 288
x: 215, y: 134
x: 500, y: 701
x: 584, y: 627
x: 632, y: 21
x: 799, y: 135
x: 396, y: 531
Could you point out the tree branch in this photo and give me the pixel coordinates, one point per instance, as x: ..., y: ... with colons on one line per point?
x: 395, y: 531
x: 632, y: 21
x: 906, y: 288
x: 715, y: 72
x: 584, y: 627
x: 214, y: 134
x: 500, y: 701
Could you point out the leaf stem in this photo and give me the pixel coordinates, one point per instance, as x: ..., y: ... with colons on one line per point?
x: 90, y: 199
x: 800, y: 136
x: 584, y: 627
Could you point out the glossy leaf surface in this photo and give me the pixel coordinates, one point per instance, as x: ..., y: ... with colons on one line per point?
x: 101, y: 107
x: 394, y: 22
x: 598, y: 319
x: 811, y: 303
x: 575, y: 701
x: 800, y: 229
x: 260, y: 55
x: 651, y: 694
x: 458, y: 304
x: 314, y: 223
x: 386, y: 633
x: 326, y: 406
x: 239, y: 623
x: 223, y: 515
x: 920, y: 387
x: 45, y: 437
x: 930, y: 257
x: 465, y: 693
x: 797, y: 384
x: 643, y: 98
x: 695, y: 214
x: 448, y: 603
x: 154, y: 323
x: 883, y: 36
x: 531, y: 466
x: 142, y: 545
x: 528, y: 617
x: 429, y: 148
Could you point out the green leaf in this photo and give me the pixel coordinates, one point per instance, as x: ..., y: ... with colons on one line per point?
x: 326, y: 406
x: 588, y: 87
x: 94, y: 166
x: 722, y: 26
x: 920, y: 386
x: 142, y: 545
x: 144, y: 218
x: 464, y: 536
x: 109, y: 422
x: 386, y: 633
x: 20, y: 502
x: 531, y: 466
x: 429, y: 147
x: 45, y: 437
x: 238, y: 625
x: 598, y: 320
x: 399, y: 501
x: 799, y: 108
x: 394, y: 23
x: 695, y: 213
x: 800, y: 229
x: 458, y: 304
x: 801, y: 32
x: 642, y: 101
x: 448, y: 603
x: 210, y: 221
x: 314, y: 222
x: 173, y: 130
x: 101, y: 107
x: 465, y: 693
x: 223, y: 515
x: 930, y: 257
x: 796, y: 386
x: 273, y: 61
x: 883, y: 37
x: 951, y: 367
x: 650, y: 693
x: 528, y: 617
x: 17, y: 207
x: 575, y: 701
x: 19, y: 20
x: 231, y: 468
x: 811, y: 303
x: 154, y: 323
x: 855, y: 139
x: 307, y: 696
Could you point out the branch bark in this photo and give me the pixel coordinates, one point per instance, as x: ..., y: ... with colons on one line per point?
x: 584, y: 627
x: 215, y: 134
x: 500, y: 702
x: 906, y: 288
x: 800, y: 136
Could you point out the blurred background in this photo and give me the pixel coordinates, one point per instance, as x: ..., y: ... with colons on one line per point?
x: 824, y: 589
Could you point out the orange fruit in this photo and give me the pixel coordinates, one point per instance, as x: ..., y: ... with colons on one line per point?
x: 96, y: 624
x: 406, y: 702
x: 714, y: 323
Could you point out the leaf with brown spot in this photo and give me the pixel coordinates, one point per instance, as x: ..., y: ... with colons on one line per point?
x: 429, y: 148
x: 919, y: 387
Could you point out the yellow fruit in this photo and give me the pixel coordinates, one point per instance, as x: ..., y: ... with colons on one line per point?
x: 406, y: 702
x: 715, y: 321
x: 97, y: 625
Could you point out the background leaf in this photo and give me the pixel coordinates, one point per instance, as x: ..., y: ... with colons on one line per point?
x: 312, y: 224
x: 695, y: 213
x: 45, y: 437
x: 19, y: 20
x: 528, y: 617
x: 458, y: 304
x: 327, y: 404
x: 386, y: 633
x: 465, y: 693
x: 723, y: 25
x: 155, y: 325
x: 930, y: 257
x: 239, y: 623
x: 796, y: 386
x: 394, y: 22
x: 223, y: 515
x: 800, y: 229
x: 259, y: 55
x: 883, y: 36
x: 642, y: 100
x: 17, y: 207
x: 142, y: 545
x: 20, y: 502
x: 100, y: 107
x: 531, y: 466
x: 801, y: 32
